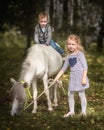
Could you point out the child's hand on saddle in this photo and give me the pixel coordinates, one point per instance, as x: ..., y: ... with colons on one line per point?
x: 47, y: 44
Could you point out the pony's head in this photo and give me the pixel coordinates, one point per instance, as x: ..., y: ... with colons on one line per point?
x: 18, y: 95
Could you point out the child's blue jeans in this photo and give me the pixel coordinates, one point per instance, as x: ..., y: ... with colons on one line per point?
x: 56, y: 47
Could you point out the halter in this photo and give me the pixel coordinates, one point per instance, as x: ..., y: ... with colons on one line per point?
x: 28, y: 93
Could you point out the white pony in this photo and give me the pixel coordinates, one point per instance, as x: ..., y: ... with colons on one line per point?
x: 41, y: 62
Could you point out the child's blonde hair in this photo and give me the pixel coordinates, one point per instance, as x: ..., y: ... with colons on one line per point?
x: 43, y: 15
x: 77, y: 39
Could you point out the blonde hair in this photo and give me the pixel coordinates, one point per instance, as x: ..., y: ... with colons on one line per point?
x: 43, y: 15
x: 77, y: 39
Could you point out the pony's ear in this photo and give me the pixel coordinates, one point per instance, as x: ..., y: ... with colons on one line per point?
x: 12, y: 80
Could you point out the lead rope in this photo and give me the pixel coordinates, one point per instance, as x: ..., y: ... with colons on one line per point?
x: 50, y: 81
x: 38, y: 96
x: 59, y: 84
x: 29, y: 96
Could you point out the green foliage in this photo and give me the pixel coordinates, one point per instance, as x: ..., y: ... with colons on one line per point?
x: 12, y: 56
x: 12, y: 38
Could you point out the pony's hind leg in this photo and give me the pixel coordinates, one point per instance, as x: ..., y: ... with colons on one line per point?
x: 55, y: 96
x: 53, y: 92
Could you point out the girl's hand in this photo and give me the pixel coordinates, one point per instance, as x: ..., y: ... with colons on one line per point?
x: 84, y: 81
x: 84, y: 77
x: 55, y: 80
x: 58, y: 76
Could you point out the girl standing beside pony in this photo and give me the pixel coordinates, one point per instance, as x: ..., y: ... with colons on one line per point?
x: 78, y: 73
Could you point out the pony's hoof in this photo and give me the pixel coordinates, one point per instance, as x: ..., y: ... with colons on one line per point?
x: 12, y: 114
x: 33, y: 111
x: 83, y: 114
x: 50, y: 109
x: 69, y: 114
x: 56, y: 105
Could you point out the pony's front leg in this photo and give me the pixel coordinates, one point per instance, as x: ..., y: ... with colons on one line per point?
x: 34, y: 85
x: 45, y: 81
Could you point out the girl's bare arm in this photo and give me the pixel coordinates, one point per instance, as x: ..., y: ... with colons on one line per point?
x: 58, y: 75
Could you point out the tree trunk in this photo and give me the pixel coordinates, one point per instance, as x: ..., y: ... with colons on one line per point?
x: 100, y: 38
x: 47, y: 6
x: 59, y: 14
x: 28, y: 41
x: 70, y: 12
x: 79, y: 13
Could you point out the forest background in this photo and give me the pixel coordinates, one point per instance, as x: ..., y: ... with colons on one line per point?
x: 85, y: 17
x: 17, y: 21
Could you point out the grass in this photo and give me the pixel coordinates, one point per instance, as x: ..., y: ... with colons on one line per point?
x: 11, y: 58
